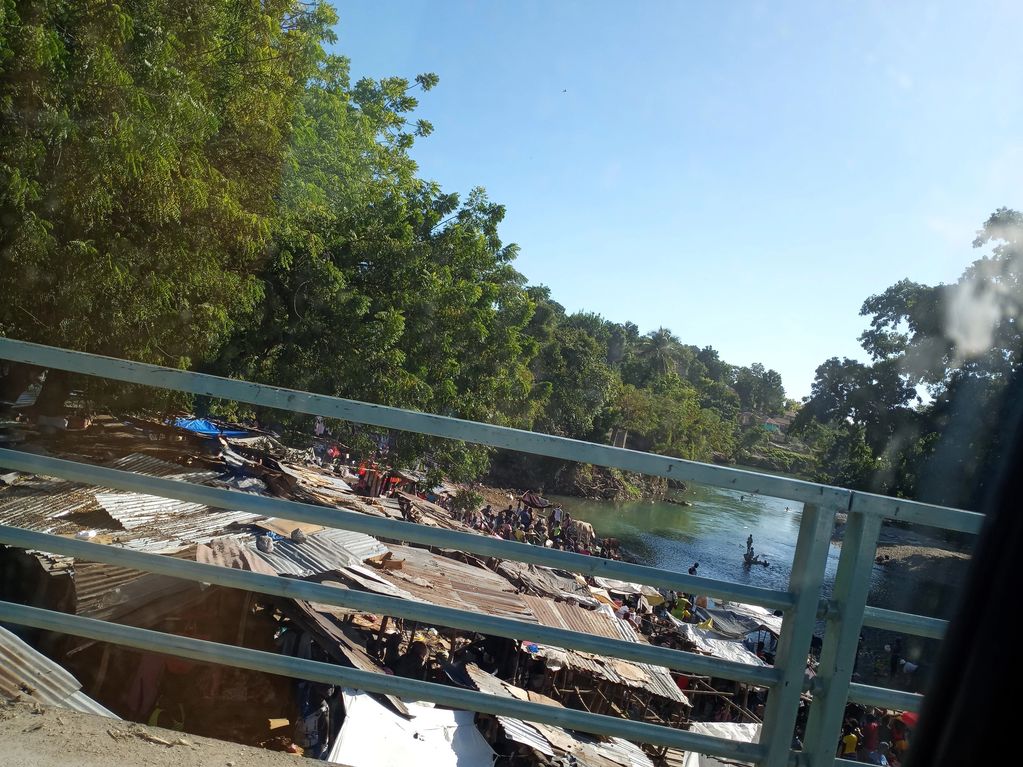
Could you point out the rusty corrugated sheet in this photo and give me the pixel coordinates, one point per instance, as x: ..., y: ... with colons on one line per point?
x: 447, y: 582
x: 572, y: 617
x: 49, y: 505
x: 27, y: 673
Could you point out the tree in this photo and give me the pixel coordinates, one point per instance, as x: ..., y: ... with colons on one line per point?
x: 759, y: 389
x: 139, y: 158
x: 962, y: 342
x: 660, y: 350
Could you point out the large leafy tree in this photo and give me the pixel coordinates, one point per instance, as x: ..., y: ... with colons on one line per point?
x: 140, y: 155
x: 959, y: 342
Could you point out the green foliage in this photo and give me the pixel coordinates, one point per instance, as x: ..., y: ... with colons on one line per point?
x: 466, y: 499
x: 201, y: 185
x: 960, y: 342
x: 139, y: 161
x: 759, y: 389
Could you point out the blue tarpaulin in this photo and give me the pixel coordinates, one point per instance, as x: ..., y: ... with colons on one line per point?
x: 206, y: 427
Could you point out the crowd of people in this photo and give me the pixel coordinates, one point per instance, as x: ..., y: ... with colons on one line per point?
x: 552, y: 527
x: 874, y: 737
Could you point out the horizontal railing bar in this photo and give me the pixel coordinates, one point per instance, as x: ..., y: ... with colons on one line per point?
x: 282, y: 665
x: 882, y: 697
x: 423, y: 612
x: 390, y: 528
x: 825, y: 496
x: 918, y: 513
x: 905, y: 623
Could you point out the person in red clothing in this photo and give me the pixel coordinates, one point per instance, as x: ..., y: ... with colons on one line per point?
x: 871, y: 738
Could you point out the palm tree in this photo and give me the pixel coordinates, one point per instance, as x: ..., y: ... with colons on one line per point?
x: 660, y: 348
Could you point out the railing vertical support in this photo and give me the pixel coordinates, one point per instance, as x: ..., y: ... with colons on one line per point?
x: 841, y: 639
x: 805, y: 582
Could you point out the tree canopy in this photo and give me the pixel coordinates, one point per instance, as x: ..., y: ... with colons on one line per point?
x: 923, y: 417
x: 202, y: 185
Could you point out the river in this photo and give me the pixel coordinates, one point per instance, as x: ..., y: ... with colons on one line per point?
x: 713, y: 532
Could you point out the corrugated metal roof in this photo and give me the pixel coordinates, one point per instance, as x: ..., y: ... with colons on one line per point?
x: 57, y: 507
x: 573, y: 617
x: 106, y: 591
x: 326, y: 486
x: 447, y: 582
x: 139, y: 463
x: 26, y: 672
x: 48, y: 505
x: 550, y: 740
x: 525, y: 734
x: 143, y: 522
x: 727, y: 649
x: 321, y: 552
x: 168, y: 519
x: 655, y: 679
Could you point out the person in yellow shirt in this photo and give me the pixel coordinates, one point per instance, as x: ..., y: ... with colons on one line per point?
x: 681, y: 609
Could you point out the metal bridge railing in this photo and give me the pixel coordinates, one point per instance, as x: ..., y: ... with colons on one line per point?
x: 844, y: 613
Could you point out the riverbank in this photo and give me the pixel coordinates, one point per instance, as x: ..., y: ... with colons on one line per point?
x: 924, y: 573
x: 922, y: 570
x: 915, y: 555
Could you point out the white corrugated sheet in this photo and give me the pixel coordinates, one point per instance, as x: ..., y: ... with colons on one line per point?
x: 29, y: 674
x: 170, y: 519
x: 744, y: 733
x: 525, y: 734
x: 373, y: 735
x: 139, y: 463
x: 321, y: 552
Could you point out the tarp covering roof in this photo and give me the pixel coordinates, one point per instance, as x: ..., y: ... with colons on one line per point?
x: 726, y: 649
x: 373, y: 735
x: 207, y: 428
x: 736, y: 620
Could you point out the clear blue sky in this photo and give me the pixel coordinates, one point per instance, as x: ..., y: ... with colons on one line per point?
x: 742, y: 173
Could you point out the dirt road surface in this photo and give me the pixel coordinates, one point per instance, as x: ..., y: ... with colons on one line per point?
x: 43, y: 736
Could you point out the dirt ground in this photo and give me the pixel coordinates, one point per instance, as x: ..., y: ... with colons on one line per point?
x: 918, y: 555
x: 43, y: 736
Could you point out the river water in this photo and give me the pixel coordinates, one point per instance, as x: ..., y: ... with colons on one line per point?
x: 713, y: 532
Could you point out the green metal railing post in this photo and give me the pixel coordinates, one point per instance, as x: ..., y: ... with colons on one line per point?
x: 805, y: 582
x: 843, y: 622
